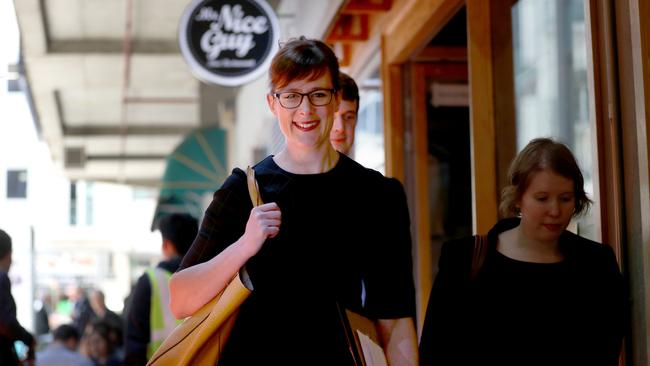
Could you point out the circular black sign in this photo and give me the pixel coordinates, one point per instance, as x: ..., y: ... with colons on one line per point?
x: 228, y: 42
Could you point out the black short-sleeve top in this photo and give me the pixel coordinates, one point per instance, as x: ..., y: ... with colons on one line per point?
x: 344, y: 238
x: 520, y: 313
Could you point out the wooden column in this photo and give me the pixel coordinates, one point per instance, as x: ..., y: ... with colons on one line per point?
x: 482, y: 123
x: 492, y: 105
x: 393, y: 120
x: 629, y: 20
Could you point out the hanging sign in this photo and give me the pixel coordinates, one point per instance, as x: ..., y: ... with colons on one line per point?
x: 228, y: 42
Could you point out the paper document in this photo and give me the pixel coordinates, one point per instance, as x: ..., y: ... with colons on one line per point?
x: 373, y: 354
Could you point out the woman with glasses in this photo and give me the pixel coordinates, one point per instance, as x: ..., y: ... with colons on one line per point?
x: 332, y: 235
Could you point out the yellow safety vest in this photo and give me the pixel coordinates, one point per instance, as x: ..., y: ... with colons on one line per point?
x: 161, y: 319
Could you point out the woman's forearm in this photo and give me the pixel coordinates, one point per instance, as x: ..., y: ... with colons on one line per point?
x: 399, y: 341
x: 194, y: 286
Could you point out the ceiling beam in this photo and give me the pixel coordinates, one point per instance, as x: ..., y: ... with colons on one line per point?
x: 115, y: 130
x: 367, y: 6
x: 160, y: 100
x: 349, y: 28
x: 110, y: 46
x: 125, y: 157
x: 101, y: 46
x: 153, y: 182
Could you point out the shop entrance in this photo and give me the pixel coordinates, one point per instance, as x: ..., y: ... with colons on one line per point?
x: 437, y: 145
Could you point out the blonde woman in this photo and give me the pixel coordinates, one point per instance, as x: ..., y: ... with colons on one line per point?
x: 543, y: 296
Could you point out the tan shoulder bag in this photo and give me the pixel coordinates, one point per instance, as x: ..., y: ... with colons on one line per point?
x: 200, y: 338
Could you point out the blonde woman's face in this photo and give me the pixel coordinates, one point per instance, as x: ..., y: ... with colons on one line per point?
x: 306, y: 127
x: 547, y: 206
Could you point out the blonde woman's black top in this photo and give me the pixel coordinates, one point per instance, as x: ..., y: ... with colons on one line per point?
x: 520, y: 313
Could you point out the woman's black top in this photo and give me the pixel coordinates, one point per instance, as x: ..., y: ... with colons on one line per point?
x: 344, y: 238
x: 521, y: 313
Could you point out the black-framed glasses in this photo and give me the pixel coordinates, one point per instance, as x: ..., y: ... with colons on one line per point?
x: 317, y: 98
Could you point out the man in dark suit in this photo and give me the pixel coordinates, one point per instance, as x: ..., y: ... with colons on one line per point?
x: 10, y: 329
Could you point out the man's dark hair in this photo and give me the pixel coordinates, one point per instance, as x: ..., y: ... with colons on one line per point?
x: 65, y: 332
x: 349, y: 88
x: 180, y: 229
x: 5, y: 244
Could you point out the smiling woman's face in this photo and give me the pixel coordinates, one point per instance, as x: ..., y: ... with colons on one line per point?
x: 305, y: 127
x: 546, y: 206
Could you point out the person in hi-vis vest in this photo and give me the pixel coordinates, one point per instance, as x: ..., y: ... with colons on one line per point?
x: 148, y: 317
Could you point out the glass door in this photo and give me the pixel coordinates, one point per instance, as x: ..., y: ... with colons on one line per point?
x: 551, y: 87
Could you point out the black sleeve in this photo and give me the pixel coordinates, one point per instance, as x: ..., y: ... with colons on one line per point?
x: 442, y: 331
x: 10, y: 328
x: 224, y: 221
x: 138, y: 329
x: 613, y: 308
x: 390, y: 292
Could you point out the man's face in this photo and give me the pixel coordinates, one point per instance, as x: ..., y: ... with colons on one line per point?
x: 5, y: 262
x: 345, y: 120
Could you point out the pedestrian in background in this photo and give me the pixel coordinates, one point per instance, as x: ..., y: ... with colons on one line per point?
x: 10, y: 329
x: 149, y: 319
x: 543, y: 295
x: 345, y: 118
x: 114, y: 321
x: 98, y: 345
x: 42, y: 311
x: 63, y: 351
x: 82, y: 313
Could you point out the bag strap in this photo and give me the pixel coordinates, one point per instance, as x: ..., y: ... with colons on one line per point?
x: 256, y: 199
x: 253, y: 188
x: 478, y: 255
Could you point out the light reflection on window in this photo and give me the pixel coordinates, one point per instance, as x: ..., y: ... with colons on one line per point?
x: 369, y: 133
x: 550, y: 62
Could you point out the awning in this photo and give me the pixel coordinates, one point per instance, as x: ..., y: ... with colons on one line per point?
x: 195, y: 169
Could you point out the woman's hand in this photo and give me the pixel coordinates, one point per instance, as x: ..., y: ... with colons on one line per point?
x: 263, y: 223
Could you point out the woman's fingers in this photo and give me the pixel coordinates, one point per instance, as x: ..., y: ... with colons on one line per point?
x: 272, y: 231
x: 264, y: 222
x: 271, y: 206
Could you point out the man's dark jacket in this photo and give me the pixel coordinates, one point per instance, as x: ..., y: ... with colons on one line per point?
x: 138, y: 329
x: 10, y: 329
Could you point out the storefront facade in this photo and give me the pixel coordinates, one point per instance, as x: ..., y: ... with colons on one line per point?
x: 466, y: 84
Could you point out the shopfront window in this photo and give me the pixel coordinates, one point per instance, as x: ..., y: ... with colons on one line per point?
x: 369, y: 134
x: 551, y: 92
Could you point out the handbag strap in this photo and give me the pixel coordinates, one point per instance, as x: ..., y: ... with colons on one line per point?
x: 253, y: 188
x: 256, y: 199
x: 478, y: 254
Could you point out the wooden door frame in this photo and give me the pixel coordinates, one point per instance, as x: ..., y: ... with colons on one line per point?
x: 410, y: 27
x: 620, y: 40
x: 419, y: 74
x: 490, y: 70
